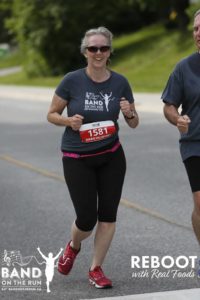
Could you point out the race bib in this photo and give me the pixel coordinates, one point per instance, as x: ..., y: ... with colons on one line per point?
x: 97, y: 131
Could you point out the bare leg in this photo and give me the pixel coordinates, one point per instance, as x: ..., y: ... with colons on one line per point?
x: 78, y: 236
x: 102, y: 241
x: 196, y: 215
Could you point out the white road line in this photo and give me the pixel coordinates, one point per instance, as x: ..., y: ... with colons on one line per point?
x: 189, y: 294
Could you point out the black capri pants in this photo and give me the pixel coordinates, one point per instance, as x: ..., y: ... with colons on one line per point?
x: 192, y: 165
x: 95, y: 186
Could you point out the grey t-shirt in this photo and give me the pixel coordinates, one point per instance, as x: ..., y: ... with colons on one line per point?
x: 95, y: 102
x: 183, y: 89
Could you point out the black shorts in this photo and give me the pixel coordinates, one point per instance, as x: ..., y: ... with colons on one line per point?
x: 192, y: 165
x: 95, y: 186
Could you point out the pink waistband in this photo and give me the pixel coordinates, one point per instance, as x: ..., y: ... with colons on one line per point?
x: 75, y: 155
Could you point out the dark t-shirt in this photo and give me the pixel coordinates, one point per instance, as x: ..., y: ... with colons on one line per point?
x: 95, y: 102
x: 183, y: 89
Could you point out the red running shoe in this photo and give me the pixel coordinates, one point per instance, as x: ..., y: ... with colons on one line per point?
x: 98, y: 279
x: 66, y: 261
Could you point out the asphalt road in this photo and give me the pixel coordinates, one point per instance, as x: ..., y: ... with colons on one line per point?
x: 153, y: 218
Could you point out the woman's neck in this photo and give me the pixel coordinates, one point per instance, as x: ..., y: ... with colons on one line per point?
x: 98, y: 75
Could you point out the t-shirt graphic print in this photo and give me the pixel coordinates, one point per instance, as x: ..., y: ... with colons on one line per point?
x: 97, y: 102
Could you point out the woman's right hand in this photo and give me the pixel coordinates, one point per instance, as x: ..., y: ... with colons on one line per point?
x: 76, y: 121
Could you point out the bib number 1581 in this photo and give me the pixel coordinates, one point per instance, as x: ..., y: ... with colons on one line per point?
x: 98, y: 132
x: 93, y: 132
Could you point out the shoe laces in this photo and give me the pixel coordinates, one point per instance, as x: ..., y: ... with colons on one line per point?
x: 70, y: 254
x: 98, y: 273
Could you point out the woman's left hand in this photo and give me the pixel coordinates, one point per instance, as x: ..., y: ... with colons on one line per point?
x: 125, y: 107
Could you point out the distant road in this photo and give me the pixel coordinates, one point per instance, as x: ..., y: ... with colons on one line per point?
x: 8, y: 71
x: 145, y: 102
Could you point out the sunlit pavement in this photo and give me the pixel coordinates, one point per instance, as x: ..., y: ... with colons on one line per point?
x: 192, y: 294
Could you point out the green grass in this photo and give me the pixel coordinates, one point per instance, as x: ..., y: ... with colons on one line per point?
x: 12, y: 59
x: 145, y: 57
x: 22, y: 79
x: 15, y: 58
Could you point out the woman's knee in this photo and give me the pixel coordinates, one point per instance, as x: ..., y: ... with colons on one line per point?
x: 85, y: 223
x: 196, y: 196
x: 106, y: 226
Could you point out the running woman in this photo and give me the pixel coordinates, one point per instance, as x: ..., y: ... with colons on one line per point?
x: 93, y: 158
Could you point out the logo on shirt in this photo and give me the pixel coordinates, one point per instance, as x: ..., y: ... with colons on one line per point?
x: 98, y: 102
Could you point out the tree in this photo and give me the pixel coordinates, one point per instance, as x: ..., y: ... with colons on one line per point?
x: 182, y: 17
x: 49, y: 32
x: 173, y: 13
x: 5, y: 12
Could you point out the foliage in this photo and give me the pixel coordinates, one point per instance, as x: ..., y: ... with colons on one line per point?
x: 145, y: 57
x: 5, y: 12
x: 49, y: 32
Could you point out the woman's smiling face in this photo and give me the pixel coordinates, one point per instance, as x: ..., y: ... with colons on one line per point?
x: 97, y: 59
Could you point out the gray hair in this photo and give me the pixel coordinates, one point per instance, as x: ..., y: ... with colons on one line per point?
x: 197, y: 13
x: 100, y: 30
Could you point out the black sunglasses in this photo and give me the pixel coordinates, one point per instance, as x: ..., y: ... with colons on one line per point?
x: 94, y: 49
